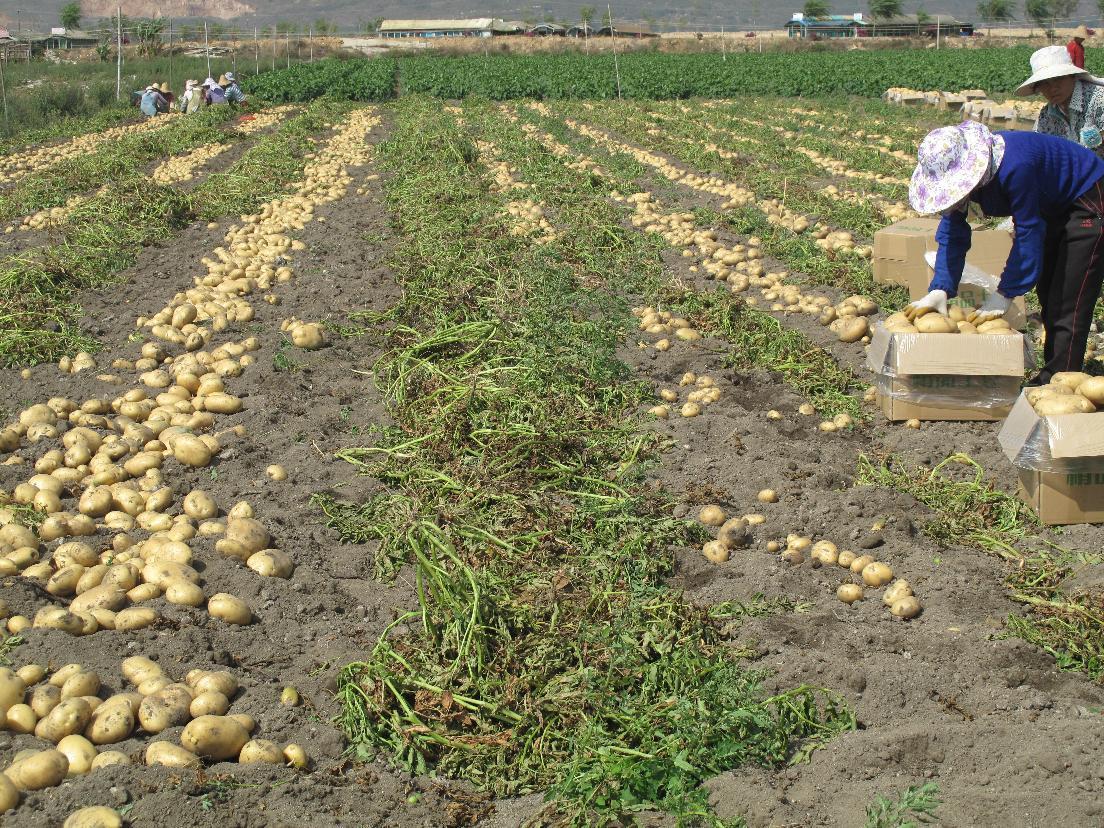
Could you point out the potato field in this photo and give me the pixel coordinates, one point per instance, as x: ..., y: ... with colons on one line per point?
x: 456, y: 461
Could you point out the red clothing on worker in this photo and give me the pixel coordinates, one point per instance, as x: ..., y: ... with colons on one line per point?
x: 1077, y: 53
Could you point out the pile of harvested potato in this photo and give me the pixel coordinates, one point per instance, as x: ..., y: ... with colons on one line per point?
x: 704, y: 394
x: 732, y: 533
x: 956, y: 321
x: 1069, y: 392
x: 735, y: 533
x: 665, y: 324
x: 65, y: 710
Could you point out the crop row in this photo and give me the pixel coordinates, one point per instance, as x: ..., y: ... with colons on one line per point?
x: 646, y: 75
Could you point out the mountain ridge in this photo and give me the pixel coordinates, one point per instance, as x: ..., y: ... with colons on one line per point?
x: 663, y: 15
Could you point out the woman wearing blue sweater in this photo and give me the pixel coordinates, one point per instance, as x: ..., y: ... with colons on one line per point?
x: 1053, y: 190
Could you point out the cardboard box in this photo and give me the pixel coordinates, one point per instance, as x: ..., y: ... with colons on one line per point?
x: 893, y: 398
x: 1060, y: 460
x: 945, y: 376
x: 1059, y: 499
x: 974, y: 94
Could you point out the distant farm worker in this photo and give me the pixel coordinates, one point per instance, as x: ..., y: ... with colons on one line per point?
x: 192, y: 99
x: 167, y: 94
x: 1075, y: 99
x: 1076, y: 46
x: 1053, y: 190
x: 213, y: 93
x: 233, y: 91
x: 152, y: 101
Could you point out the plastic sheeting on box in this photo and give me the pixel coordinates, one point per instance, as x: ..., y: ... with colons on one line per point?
x: 1064, y: 444
x: 950, y: 391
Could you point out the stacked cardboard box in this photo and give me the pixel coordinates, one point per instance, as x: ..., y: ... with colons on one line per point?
x: 926, y: 376
x: 1060, y: 460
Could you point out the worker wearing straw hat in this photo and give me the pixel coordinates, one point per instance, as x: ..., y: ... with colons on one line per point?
x: 1075, y: 48
x: 1075, y: 99
x: 213, y: 93
x: 168, y: 95
x: 1054, y: 191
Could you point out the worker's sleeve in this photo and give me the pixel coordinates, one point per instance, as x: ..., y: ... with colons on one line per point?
x: 954, y: 238
x: 1025, y: 261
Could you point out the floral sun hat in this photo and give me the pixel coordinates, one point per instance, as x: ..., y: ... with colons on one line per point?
x: 952, y: 162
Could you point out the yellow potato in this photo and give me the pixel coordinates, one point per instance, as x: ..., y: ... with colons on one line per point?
x: 935, y: 323
x: 80, y: 752
x: 164, y: 709
x: 249, y: 533
x: 9, y: 794
x: 12, y: 688
x: 183, y: 593
x: 906, y: 607
x: 1059, y: 405
x: 296, y: 756
x: 849, y: 593
x: 40, y: 770
x: 1092, y: 389
x: 229, y: 608
x: 110, y: 757
x: 21, y: 718
x: 896, y: 591
x: 209, y: 703
x: 112, y: 722
x: 876, y: 574
x: 45, y: 698
x: 94, y: 816
x: 214, y: 737
x: 853, y: 329
x: 136, y: 618
x: 271, y: 563
x: 1070, y: 379
x: 106, y: 596
x: 69, y: 717
x: 170, y: 755
x: 261, y: 751
x: 711, y: 515
x: 218, y: 681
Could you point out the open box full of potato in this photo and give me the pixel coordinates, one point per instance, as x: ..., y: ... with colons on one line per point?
x: 1054, y: 436
x: 938, y: 375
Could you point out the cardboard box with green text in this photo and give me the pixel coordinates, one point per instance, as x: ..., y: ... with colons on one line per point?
x: 1060, y: 460
x: 926, y: 376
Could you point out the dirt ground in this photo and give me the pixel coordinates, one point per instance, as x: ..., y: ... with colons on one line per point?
x: 946, y: 697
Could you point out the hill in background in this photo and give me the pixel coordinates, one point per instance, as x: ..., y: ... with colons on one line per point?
x: 349, y: 14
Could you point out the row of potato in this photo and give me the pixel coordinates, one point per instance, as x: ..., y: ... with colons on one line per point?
x: 20, y: 164
x: 116, y: 476
x: 736, y: 533
x: 116, y: 459
x: 184, y: 167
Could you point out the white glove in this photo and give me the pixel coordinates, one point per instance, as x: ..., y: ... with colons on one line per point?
x: 992, y: 308
x: 934, y: 301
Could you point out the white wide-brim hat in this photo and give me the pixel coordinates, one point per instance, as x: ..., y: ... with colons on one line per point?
x: 952, y: 161
x: 1046, y: 63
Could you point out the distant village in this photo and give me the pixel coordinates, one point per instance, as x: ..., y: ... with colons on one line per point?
x: 27, y: 43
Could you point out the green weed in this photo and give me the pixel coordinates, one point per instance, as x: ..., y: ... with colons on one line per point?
x: 915, y: 805
x: 547, y: 651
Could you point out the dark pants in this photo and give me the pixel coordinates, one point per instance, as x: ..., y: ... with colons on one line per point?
x: 1073, y: 272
